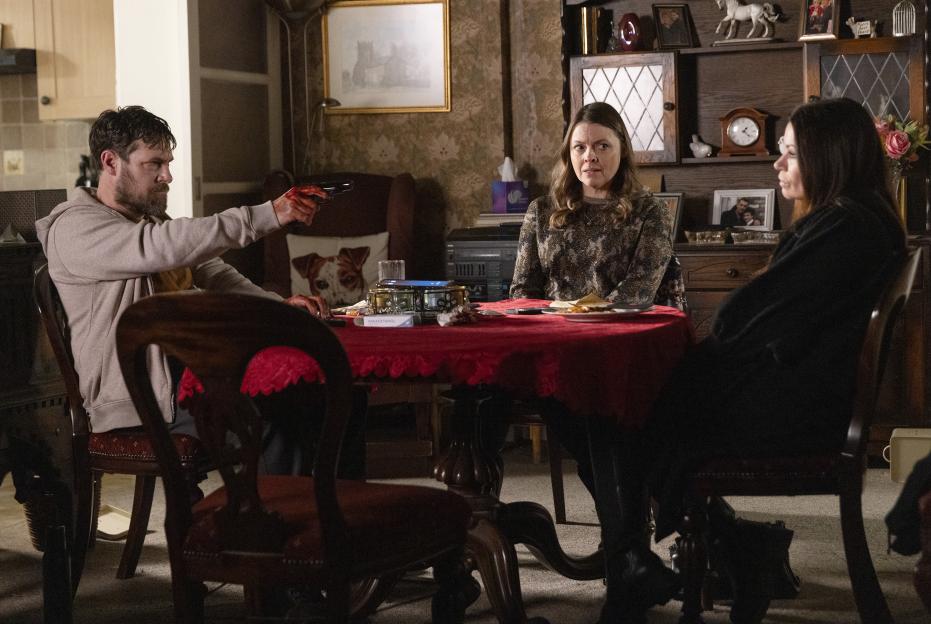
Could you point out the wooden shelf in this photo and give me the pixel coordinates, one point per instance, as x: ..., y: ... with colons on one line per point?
x: 747, y: 47
x: 716, y: 160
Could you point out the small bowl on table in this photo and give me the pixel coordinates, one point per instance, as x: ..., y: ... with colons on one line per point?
x: 706, y: 237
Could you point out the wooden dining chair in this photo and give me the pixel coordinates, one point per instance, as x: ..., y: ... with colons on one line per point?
x: 265, y: 531
x: 525, y: 414
x: 838, y: 474
x: 107, y: 452
x: 922, y: 580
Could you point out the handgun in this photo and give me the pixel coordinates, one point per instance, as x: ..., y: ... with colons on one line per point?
x: 334, y: 187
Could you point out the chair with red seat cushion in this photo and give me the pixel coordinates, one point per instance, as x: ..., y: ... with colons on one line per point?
x: 923, y: 567
x: 272, y: 531
x: 96, y: 453
x: 839, y: 473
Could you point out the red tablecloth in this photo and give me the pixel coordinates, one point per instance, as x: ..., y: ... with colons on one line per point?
x: 614, y: 368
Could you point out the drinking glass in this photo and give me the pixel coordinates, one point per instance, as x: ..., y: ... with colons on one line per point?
x: 390, y: 269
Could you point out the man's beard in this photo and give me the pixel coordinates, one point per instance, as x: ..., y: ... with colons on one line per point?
x: 153, y: 203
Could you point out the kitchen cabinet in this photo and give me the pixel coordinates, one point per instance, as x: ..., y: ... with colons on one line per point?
x: 18, y: 26
x: 75, y: 58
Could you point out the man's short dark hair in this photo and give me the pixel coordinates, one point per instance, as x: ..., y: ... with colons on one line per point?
x: 118, y: 129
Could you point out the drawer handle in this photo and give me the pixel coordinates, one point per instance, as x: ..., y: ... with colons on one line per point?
x: 732, y: 272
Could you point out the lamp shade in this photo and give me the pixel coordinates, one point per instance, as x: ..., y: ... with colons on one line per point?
x: 296, y: 11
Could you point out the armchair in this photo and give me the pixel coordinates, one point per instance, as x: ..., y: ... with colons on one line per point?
x: 377, y: 203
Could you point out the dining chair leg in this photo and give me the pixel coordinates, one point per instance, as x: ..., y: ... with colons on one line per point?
x: 554, y: 452
x: 82, y: 521
x: 457, y: 589
x: 138, y: 525
x: 188, y: 597
x: 871, y: 603
x: 694, y: 558
x: 536, y: 443
x: 95, y: 508
x: 338, y: 601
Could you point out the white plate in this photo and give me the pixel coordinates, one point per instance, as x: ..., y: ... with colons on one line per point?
x: 595, y: 317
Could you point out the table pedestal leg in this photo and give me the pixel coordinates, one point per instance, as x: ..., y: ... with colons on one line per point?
x: 473, y: 468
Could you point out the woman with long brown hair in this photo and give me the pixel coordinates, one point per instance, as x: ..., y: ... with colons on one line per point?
x: 777, y: 373
x: 598, y: 231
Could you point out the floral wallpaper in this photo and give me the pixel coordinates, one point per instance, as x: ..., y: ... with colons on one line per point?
x: 453, y: 156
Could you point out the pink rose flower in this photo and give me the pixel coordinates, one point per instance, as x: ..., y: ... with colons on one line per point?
x: 882, y: 127
x: 897, y: 144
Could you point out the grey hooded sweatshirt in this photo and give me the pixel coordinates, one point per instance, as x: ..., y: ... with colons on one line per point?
x: 102, y: 262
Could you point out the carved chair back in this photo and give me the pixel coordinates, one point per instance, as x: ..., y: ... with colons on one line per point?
x: 215, y: 336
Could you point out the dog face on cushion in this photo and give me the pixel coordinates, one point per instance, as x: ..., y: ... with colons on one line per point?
x: 338, y: 279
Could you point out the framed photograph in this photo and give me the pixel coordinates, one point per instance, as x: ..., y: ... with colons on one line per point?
x: 386, y: 56
x: 673, y: 26
x: 673, y: 202
x: 753, y: 209
x: 819, y: 20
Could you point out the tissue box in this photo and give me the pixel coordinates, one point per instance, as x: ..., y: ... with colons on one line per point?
x: 509, y: 196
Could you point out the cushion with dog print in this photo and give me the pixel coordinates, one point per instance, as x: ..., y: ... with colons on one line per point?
x: 339, y: 269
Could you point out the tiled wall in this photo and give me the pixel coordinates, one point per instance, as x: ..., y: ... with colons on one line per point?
x: 51, y: 150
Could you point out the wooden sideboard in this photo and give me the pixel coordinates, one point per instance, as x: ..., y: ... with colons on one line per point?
x: 712, y: 271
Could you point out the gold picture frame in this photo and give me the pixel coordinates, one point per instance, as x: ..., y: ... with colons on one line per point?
x: 819, y: 20
x: 387, y: 56
x: 673, y: 201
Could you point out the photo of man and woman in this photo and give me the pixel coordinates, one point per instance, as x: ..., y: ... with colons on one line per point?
x: 743, y: 209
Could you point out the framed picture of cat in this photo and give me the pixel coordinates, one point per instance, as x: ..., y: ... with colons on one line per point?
x: 386, y: 57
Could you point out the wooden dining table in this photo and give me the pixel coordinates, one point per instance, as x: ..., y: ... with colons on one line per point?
x: 610, y: 367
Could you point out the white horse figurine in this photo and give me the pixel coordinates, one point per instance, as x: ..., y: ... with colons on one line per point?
x: 758, y: 14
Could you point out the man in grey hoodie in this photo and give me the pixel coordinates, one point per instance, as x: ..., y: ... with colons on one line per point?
x: 111, y: 246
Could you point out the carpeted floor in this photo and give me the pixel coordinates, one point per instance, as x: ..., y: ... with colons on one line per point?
x: 817, y: 557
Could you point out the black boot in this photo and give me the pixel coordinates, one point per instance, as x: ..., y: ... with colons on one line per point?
x: 637, y: 579
x: 752, y: 554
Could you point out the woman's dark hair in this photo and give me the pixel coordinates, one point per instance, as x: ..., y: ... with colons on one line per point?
x: 839, y: 154
x: 118, y: 129
x: 566, y: 189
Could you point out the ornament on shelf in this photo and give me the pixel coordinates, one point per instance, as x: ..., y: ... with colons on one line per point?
x: 629, y: 32
x: 903, y: 19
x: 864, y: 28
x: 699, y: 149
x: 759, y: 15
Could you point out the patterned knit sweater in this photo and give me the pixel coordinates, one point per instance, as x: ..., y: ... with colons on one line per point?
x: 626, y: 261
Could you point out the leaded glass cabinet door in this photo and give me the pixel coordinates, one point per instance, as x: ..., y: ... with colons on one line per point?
x: 883, y: 74
x: 642, y: 87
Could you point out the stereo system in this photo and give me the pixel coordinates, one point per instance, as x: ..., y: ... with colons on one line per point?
x: 482, y: 259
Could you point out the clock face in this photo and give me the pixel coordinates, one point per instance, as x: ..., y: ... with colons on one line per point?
x: 743, y: 131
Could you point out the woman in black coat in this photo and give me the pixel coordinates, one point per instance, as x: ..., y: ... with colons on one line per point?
x: 777, y: 373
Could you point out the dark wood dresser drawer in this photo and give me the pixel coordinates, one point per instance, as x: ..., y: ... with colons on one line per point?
x: 721, y: 271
